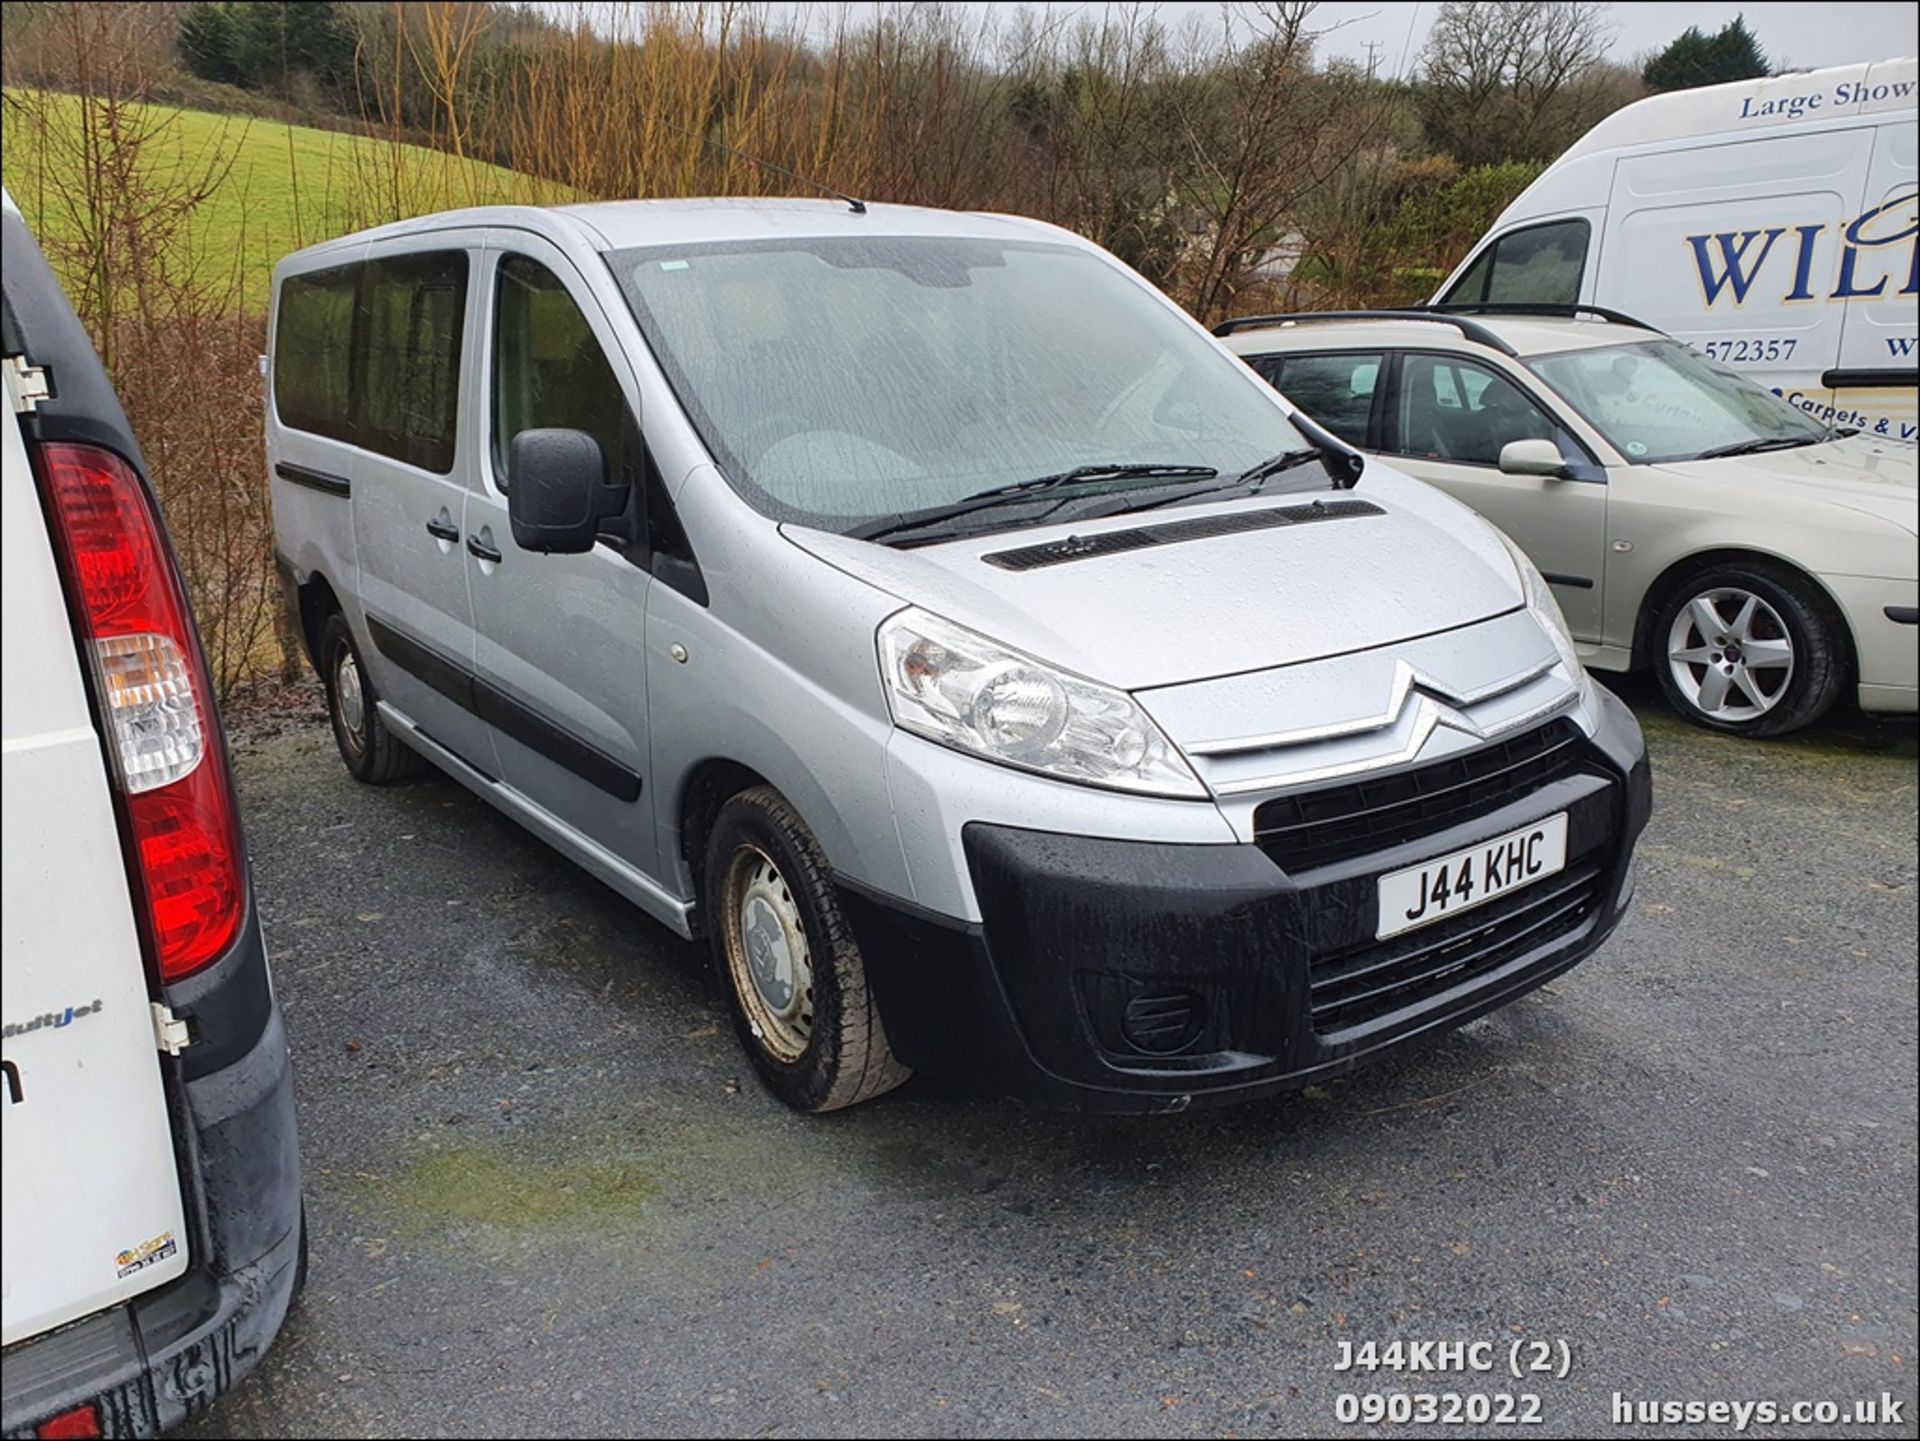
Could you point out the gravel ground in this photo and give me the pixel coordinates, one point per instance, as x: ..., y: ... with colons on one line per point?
x: 547, y: 1195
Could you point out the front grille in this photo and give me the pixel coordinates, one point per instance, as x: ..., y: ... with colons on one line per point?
x: 1315, y: 828
x: 1206, y: 527
x: 1361, y: 984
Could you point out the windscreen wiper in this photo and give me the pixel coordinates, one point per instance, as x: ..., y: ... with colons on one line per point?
x: 1254, y: 478
x: 1759, y: 444
x: 1274, y: 465
x: 1021, y: 490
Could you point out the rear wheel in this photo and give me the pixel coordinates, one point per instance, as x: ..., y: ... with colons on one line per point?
x: 795, y: 979
x: 1749, y: 649
x: 371, y: 752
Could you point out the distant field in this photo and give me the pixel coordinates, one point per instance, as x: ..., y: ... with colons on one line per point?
x: 289, y: 185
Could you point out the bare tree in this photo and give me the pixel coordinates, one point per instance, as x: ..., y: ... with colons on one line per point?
x: 1258, y: 130
x: 1508, y: 81
x: 117, y: 191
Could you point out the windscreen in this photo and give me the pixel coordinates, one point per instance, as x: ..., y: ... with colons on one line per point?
x: 1661, y: 401
x: 842, y: 379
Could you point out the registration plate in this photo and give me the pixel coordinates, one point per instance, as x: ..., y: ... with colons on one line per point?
x: 1448, y: 885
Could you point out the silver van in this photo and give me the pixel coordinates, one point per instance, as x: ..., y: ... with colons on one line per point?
x: 924, y: 609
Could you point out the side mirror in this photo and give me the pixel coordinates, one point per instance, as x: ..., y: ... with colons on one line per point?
x: 559, y: 492
x: 1534, y: 457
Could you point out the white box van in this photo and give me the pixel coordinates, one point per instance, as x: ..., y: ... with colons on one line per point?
x: 151, y: 1184
x: 1771, y: 224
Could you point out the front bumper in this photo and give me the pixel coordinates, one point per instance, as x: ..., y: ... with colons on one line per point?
x: 1135, y: 976
x: 153, y: 1362
x: 1882, y: 615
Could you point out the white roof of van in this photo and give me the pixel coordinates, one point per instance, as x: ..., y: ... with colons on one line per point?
x: 1752, y: 106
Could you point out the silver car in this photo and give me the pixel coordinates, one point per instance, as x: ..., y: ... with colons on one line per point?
x: 1688, y: 520
x: 924, y: 609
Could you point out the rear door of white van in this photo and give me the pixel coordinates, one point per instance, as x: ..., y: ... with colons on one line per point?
x: 1879, y: 348
x: 1735, y: 249
x: 90, y: 1189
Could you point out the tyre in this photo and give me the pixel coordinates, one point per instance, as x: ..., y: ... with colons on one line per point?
x: 1748, y: 648
x: 794, y: 978
x: 371, y: 752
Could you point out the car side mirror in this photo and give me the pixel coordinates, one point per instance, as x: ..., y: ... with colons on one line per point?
x: 1534, y: 457
x: 559, y: 492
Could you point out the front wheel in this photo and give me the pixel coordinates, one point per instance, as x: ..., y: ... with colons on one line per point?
x: 795, y: 980
x: 1748, y: 649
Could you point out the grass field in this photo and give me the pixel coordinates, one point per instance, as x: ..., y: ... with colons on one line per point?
x: 288, y: 185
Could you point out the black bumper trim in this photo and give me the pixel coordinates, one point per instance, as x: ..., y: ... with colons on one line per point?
x: 1092, y: 953
x: 1904, y: 614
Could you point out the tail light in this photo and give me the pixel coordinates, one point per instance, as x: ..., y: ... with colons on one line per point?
x: 80, y: 1421
x: 155, y: 699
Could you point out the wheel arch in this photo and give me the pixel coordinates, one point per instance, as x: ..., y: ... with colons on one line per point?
x: 708, y: 786
x: 318, y: 600
x: 1677, y: 573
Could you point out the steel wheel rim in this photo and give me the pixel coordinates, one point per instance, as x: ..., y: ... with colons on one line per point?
x: 351, y: 697
x: 768, y: 956
x: 1730, y: 654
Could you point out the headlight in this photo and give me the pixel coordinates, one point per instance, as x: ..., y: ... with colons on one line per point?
x: 1546, y: 610
x: 961, y: 689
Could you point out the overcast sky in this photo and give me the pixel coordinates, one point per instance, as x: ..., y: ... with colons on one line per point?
x: 1800, y: 35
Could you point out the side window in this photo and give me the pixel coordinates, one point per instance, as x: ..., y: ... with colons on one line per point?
x: 550, y: 373
x: 1336, y: 390
x: 313, y: 352
x: 1267, y: 367
x: 414, y: 306
x: 1540, y: 265
x: 1455, y: 410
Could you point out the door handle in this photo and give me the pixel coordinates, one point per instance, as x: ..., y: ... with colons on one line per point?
x: 443, y: 530
x: 476, y: 547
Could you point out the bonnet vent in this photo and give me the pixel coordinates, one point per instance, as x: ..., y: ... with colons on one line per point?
x: 1114, y: 542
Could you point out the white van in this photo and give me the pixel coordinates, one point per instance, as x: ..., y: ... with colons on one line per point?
x: 1771, y: 224
x: 149, y: 1175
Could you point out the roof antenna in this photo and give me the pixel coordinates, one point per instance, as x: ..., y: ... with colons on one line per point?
x: 854, y: 203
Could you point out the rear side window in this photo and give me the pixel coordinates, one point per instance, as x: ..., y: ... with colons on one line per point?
x: 414, y: 308
x: 1540, y: 265
x: 1336, y: 390
x: 313, y: 352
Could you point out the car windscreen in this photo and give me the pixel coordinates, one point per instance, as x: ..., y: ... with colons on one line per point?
x: 1658, y: 400
x: 836, y: 380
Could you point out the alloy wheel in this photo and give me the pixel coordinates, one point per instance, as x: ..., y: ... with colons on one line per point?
x: 1731, y: 655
